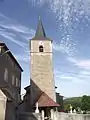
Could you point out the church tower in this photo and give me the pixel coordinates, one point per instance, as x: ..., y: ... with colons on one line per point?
x: 42, y: 79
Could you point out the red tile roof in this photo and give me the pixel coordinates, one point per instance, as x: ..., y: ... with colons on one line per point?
x: 46, y: 101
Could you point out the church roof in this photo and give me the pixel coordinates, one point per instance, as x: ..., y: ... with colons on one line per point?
x: 45, y: 101
x: 40, y: 32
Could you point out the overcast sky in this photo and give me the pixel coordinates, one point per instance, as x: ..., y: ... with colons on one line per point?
x: 67, y: 23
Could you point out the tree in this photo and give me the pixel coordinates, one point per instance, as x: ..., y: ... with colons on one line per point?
x: 74, y: 101
x: 85, y: 103
x: 67, y: 107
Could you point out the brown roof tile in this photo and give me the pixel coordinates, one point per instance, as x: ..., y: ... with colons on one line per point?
x: 46, y: 101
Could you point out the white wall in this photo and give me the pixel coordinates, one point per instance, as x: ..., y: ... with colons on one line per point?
x: 69, y: 116
x: 3, y: 100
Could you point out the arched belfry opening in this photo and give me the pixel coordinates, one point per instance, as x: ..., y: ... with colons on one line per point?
x: 40, y: 48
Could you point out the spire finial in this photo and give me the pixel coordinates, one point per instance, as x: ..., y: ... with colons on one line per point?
x: 40, y: 33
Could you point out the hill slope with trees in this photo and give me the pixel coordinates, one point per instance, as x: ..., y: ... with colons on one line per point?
x: 82, y: 103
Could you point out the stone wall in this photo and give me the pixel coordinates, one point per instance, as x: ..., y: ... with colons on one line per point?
x: 54, y: 116
x: 42, y: 78
x: 69, y: 116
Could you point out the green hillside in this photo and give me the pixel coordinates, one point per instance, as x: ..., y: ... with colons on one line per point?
x: 77, y: 102
x: 74, y: 101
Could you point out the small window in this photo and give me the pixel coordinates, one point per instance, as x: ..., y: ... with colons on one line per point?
x: 13, y: 80
x: 6, y: 74
x: 40, y: 48
x: 17, y: 82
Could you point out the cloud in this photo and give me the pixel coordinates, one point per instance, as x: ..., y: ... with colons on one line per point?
x: 82, y: 63
x: 23, y: 58
x: 87, y: 73
x: 15, y: 32
x: 72, y: 78
x: 69, y: 14
x: 80, y: 75
x: 18, y: 34
x: 66, y: 77
x: 80, y: 81
x: 11, y: 25
x: 17, y: 28
x: 65, y: 46
x: 3, y: 17
x: 12, y: 37
x: 65, y: 9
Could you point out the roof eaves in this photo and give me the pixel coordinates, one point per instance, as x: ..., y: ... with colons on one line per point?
x: 6, y: 48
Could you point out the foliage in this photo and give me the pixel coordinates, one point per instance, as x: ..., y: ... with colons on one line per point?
x: 85, y: 103
x: 75, y: 102
x: 67, y: 107
x: 78, y: 103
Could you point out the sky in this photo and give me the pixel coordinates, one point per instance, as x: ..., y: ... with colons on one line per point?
x: 67, y: 23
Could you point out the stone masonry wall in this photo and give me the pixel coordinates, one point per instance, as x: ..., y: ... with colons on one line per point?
x: 56, y: 116
x: 42, y: 78
x: 69, y: 116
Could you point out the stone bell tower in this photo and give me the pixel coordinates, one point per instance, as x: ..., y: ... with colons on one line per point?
x: 42, y: 79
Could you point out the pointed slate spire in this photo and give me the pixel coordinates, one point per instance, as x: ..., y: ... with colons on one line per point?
x: 40, y: 33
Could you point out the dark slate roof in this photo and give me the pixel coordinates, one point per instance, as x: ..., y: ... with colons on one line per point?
x: 6, y: 48
x: 27, y: 88
x: 40, y: 32
x: 7, y: 92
